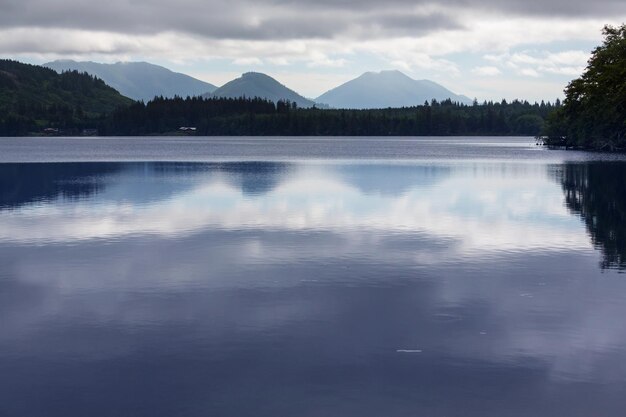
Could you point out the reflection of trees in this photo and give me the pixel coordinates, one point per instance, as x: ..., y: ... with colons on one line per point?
x: 391, y: 179
x: 24, y: 183
x: 597, y: 192
x: 251, y: 177
x: 255, y: 178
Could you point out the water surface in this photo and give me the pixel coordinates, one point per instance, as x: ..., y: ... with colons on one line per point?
x: 310, y: 277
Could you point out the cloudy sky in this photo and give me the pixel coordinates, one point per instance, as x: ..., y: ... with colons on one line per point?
x: 489, y: 49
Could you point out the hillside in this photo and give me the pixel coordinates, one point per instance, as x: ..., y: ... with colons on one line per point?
x: 139, y: 80
x: 255, y: 84
x: 375, y: 90
x: 34, y: 97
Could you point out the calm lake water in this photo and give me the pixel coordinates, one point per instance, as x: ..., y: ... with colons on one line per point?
x: 310, y: 277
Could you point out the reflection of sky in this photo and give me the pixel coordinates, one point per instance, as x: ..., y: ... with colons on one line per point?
x: 480, y: 206
x: 262, y: 290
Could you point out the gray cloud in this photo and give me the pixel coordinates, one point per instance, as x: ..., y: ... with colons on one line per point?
x: 231, y: 20
x: 549, y: 8
x: 279, y: 19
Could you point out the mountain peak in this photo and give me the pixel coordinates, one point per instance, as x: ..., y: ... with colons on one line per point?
x: 386, y: 73
x: 255, y: 74
x: 387, y: 88
x: 61, y: 61
x: 386, y: 76
x: 258, y: 84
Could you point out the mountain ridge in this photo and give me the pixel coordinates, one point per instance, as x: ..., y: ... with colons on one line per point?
x: 371, y: 90
x: 138, y: 80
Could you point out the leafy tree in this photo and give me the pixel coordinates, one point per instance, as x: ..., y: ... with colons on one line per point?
x: 593, y: 115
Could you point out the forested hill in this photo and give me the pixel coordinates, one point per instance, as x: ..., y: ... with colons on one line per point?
x: 33, y: 98
x: 228, y: 116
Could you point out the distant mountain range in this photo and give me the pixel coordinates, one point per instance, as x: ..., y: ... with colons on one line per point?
x: 144, y: 81
x: 138, y: 80
x: 38, y: 100
x: 387, y: 89
x: 256, y: 84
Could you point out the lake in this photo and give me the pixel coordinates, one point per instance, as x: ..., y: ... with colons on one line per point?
x: 310, y: 277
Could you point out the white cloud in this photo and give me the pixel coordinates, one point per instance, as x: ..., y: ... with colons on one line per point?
x: 510, y: 87
x: 486, y: 71
x: 427, y: 54
x: 248, y: 61
x: 319, y: 59
x: 529, y: 72
x: 538, y: 63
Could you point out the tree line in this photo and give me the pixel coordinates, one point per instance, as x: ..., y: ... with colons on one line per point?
x: 258, y: 117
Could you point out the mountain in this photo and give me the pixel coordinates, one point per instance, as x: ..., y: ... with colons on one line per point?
x: 23, y: 86
x: 34, y: 97
x: 255, y: 84
x: 138, y: 80
x: 386, y: 89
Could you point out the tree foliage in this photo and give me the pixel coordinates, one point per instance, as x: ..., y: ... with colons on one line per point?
x: 593, y: 115
x: 34, y: 97
x: 257, y: 117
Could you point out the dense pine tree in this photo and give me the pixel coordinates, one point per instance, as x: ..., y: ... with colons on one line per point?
x: 256, y: 117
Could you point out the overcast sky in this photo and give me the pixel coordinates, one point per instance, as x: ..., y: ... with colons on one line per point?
x: 489, y: 49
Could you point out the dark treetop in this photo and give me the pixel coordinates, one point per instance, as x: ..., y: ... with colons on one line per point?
x: 593, y: 115
x: 222, y: 116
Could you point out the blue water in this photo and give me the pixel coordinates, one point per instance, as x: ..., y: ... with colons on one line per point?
x: 310, y: 277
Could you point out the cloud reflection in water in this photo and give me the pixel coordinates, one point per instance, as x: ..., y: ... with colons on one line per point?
x: 484, y: 207
x: 275, y: 288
